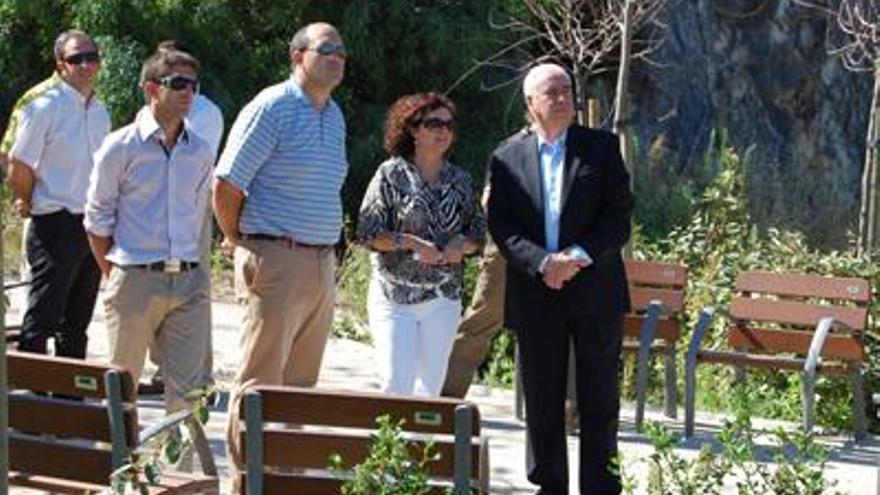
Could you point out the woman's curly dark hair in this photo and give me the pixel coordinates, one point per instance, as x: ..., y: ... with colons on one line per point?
x: 406, y: 113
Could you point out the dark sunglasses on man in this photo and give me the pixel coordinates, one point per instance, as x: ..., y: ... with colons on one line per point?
x: 436, y: 123
x: 327, y: 49
x: 179, y: 82
x: 83, y: 58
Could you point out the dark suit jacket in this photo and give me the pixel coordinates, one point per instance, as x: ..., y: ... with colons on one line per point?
x: 596, y: 210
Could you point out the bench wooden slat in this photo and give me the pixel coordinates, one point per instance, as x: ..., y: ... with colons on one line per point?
x: 844, y: 347
x: 311, y: 449
x: 667, y: 329
x: 655, y: 273
x: 53, y: 485
x: 60, y: 460
x: 358, y: 410
x: 795, y: 313
x: 310, y: 484
x: 796, y: 284
x: 71, y: 377
x: 768, y: 361
x: 65, y: 418
x: 641, y: 297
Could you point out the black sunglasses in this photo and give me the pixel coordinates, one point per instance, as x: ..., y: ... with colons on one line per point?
x: 327, y: 49
x: 83, y: 58
x: 178, y: 82
x: 435, y: 123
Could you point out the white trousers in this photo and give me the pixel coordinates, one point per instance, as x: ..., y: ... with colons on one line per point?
x: 412, y: 342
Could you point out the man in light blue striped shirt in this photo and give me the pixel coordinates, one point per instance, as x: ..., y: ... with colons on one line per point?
x: 147, y: 201
x: 277, y: 200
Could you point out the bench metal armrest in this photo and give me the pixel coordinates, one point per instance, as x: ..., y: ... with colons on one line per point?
x: 704, y: 322
x: 197, y: 434
x: 820, y: 335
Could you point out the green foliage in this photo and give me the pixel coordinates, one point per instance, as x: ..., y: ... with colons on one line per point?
x: 799, y: 462
x: 719, y: 242
x: 389, y: 468
x: 146, y: 463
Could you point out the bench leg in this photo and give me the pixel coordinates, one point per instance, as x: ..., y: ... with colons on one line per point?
x: 671, y: 379
x: 807, y: 399
x: 690, y: 391
x: 518, y: 397
x: 860, y: 417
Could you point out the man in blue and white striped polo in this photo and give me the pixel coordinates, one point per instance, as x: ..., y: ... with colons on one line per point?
x: 277, y: 200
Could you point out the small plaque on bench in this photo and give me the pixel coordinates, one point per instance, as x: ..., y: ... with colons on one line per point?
x: 84, y: 382
x: 430, y: 418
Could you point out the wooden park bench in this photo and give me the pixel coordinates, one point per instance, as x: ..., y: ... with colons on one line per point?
x: 290, y: 433
x: 652, y: 327
x: 791, y: 322
x: 72, y: 423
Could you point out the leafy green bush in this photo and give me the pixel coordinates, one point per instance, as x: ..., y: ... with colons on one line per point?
x: 718, y: 242
x: 799, y: 462
x: 389, y: 468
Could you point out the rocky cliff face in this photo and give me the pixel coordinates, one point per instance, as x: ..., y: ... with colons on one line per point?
x: 759, y: 69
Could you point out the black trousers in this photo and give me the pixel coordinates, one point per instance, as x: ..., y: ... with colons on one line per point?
x: 64, y: 285
x: 544, y: 352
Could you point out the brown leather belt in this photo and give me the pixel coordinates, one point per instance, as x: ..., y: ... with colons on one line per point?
x: 287, y: 241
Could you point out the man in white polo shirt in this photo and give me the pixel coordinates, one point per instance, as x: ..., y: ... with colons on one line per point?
x: 146, y: 203
x: 49, y: 173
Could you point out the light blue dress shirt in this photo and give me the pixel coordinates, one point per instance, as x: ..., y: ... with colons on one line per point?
x: 552, y: 157
x: 151, y: 201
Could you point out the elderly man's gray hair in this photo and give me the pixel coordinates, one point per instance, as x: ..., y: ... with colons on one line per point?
x: 538, y: 73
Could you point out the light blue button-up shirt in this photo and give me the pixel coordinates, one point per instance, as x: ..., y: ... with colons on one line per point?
x: 152, y: 202
x: 552, y: 156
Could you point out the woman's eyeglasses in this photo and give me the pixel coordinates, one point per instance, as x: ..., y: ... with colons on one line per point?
x: 436, y: 123
x: 179, y: 82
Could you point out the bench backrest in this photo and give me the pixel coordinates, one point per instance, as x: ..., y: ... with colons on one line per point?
x: 778, y: 312
x: 68, y: 419
x: 655, y: 281
x: 298, y: 429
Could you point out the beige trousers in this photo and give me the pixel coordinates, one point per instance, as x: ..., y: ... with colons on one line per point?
x: 482, y: 321
x: 172, y: 311
x: 288, y: 294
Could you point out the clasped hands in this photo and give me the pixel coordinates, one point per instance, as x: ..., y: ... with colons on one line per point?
x: 428, y: 253
x: 562, y: 267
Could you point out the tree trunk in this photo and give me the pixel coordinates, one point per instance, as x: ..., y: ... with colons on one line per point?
x: 868, y: 217
x: 621, y: 99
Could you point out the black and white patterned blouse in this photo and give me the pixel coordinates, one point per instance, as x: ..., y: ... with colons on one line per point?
x: 398, y: 200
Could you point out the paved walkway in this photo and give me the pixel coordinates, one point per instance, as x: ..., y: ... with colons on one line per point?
x: 349, y: 365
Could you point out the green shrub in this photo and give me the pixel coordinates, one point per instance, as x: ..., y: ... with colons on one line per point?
x: 799, y: 462
x: 389, y: 468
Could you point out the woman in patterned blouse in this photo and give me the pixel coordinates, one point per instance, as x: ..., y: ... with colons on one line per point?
x: 420, y: 216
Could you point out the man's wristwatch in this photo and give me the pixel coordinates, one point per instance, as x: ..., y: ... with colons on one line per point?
x: 399, y: 242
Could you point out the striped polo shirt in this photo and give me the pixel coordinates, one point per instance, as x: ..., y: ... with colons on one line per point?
x: 289, y: 160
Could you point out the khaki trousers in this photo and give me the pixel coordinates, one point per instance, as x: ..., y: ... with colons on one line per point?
x: 288, y: 293
x: 170, y: 311
x: 482, y: 321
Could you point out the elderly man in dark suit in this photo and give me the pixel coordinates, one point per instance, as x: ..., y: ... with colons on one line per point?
x: 559, y: 210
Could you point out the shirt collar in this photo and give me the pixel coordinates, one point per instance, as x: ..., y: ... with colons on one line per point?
x: 148, y: 127
x: 75, y: 95
x: 555, y: 145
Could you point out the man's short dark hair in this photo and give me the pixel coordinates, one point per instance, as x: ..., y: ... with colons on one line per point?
x: 63, y: 38
x: 162, y: 62
x: 300, y: 40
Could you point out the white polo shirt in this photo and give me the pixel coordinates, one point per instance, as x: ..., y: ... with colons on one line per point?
x: 58, y: 134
